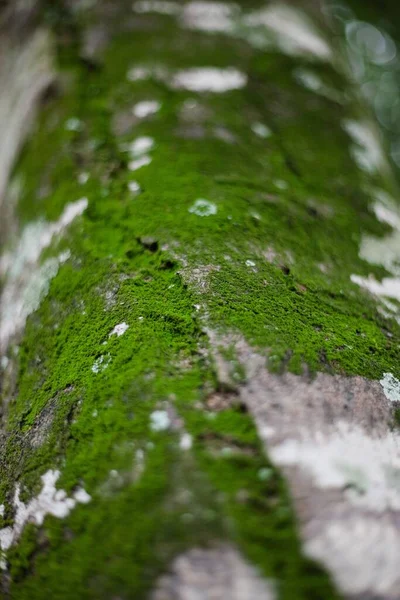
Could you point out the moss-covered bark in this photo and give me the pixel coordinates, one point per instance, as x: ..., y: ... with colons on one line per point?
x: 225, y: 200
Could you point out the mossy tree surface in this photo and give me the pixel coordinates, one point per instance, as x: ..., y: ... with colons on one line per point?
x: 268, y: 256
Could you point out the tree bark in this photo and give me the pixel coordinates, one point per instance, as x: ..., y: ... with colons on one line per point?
x: 199, y: 314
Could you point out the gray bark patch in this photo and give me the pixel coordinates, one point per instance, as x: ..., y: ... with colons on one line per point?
x: 218, y: 573
x: 334, y: 440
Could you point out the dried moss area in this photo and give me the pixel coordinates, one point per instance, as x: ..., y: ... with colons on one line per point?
x: 273, y: 263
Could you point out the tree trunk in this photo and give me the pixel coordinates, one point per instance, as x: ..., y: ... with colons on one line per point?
x: 199, y: 315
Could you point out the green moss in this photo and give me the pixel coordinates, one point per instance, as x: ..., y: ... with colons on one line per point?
x: 396, y: 417
x: 273, y: 265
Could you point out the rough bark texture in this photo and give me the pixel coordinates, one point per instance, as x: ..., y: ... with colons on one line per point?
x: 199, y: 314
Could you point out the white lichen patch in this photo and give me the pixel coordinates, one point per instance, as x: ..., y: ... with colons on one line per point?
x: 134, y: 187
x: 367, y: 148
x: 261, y: 130
x: 101, y: 363
x: 209, y: 79
x: 197, y: 79
x: 160, y: 420
x: 203, y: 208
x: 210, y: 16
x: 362, y: 554
x: 146, y: 108
x: 277, y: 26
x: 186, y: 441
x: 384, y: 251
x: 348, y: 458
x: 50, y: 501
x: 389, y: 286
x: 82, y: 496
x: 386, y: 209
x: 287, y: 28
x: 119, y: 329
x: 163, y: 7
x: 138, y: 150
x: 26, y: 71
x: 141, y: 145
x: 26, y: 281
x: 138, y: 163
x: 391, y: 387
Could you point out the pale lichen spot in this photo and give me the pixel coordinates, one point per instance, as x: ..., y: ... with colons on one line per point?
x: 280, y: 184
x: 119, y: 329
x: 261, y: 130
x: 26, y: 281
x: 50, y: 501
x: 141, y: 145
x: 146, y: 108
x: 203, y: 208
x: 82, y: 496
x: 391, y: 387
x: 186, y: 441
x: 209, y: 79
x: 210, y: 16
x: 389, y: 286
x: 134, y: 187
x: 101, y: 363
x: 386, y: 209
x: 349, y: 459
x: 367, y: 149
x: 289, y: 29
x: 73, y: 124
x: 384, y: 251
x: 159, y: 420
x: 83, y: 178
x: 138, y: 163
